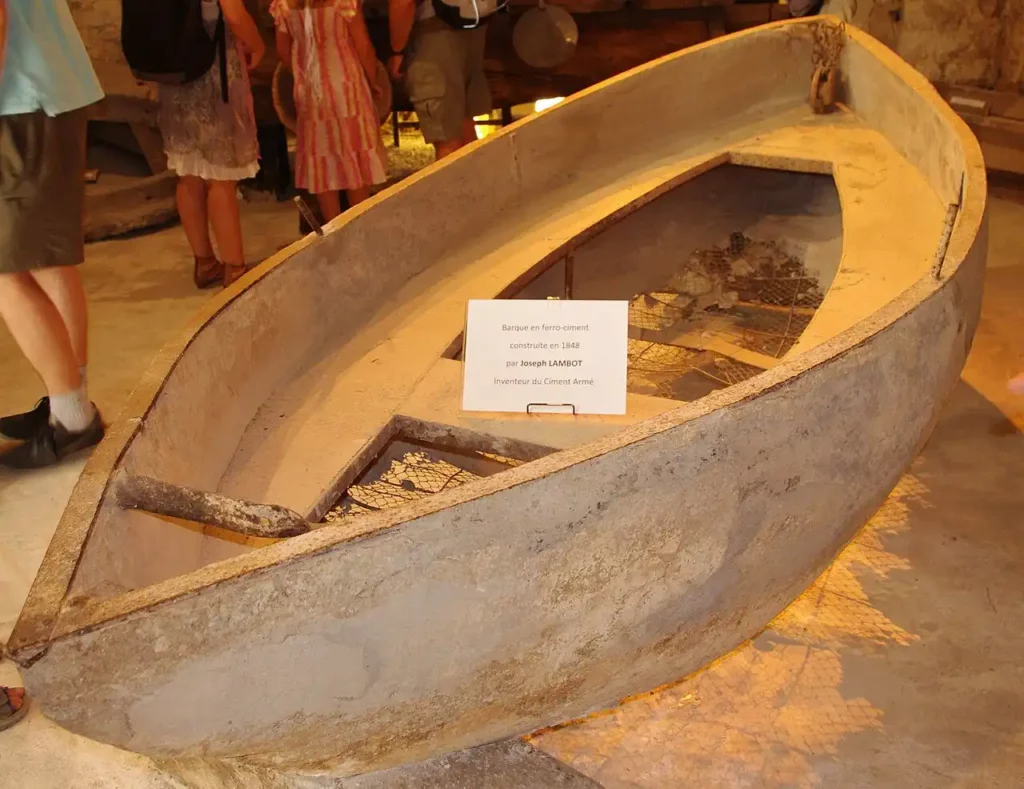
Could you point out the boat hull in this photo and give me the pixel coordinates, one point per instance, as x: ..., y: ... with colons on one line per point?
x: 543, y: 592
x: 536, y: 604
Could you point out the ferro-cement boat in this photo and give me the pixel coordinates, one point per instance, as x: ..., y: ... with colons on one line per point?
x: 804, y: 287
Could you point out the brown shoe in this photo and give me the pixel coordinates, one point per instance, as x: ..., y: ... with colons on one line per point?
x: 233, y: 271
x: 13, y: 706
x: 207, y: 272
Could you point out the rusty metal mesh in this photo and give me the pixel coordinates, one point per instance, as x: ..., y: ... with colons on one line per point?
x: 659, y: 310
x: 413, y: 476
x: 662, y: 370
x: 752, y: 294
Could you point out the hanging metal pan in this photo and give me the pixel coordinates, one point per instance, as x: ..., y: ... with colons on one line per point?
x: 545, y: 37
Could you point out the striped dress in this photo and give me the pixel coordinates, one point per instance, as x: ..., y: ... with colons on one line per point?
x: 338, y: 143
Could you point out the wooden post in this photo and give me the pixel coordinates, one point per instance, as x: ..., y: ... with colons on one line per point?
x: 177, y: 501
x: 151, y: 143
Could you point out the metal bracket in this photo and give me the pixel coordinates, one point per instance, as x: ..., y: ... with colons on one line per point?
x: 308, y: 215
x: 947, y: 231
x: 550, y: 405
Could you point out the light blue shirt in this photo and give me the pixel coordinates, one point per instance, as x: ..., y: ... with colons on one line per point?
x: 46, y: 66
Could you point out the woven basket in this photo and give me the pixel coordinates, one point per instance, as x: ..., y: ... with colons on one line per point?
x: 283, y: 86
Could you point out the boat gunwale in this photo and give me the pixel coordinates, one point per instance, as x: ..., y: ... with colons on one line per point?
x: 45, y: 619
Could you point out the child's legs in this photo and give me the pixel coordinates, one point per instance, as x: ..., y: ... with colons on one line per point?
x: 330, y: 204
x: 226, y: 222
x: 191, y: 197
x: 357, y: 195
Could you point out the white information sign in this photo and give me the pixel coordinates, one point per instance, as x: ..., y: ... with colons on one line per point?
x: 548, y: 356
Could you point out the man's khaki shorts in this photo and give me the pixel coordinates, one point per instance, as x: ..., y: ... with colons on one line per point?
x: 445, y: 78
x: 42, y: 190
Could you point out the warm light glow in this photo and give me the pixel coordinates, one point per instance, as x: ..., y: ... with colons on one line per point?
x: 485, y: 130
x: 542, y: 104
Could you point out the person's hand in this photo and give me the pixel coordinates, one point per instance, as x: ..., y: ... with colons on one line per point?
x: 395, y: 63
x: 254, y: 56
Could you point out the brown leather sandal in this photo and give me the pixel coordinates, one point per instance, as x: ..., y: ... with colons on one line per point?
x: 208, y: 271
x: 233, y: 271
x: 8, y: 714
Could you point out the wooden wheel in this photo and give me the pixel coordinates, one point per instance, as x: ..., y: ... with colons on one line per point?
x: 283, y: 84
x: 823, y: 89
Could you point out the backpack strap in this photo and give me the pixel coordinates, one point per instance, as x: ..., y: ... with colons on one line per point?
x: 451, y: 15
x: 221, y: 37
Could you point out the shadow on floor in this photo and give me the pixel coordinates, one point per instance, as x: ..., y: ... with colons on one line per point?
x: 854, y: 684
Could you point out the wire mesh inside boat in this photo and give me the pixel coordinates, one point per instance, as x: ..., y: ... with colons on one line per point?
x: 407, y: 470
x: 747, y: 295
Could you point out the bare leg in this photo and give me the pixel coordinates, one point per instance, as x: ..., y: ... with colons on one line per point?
x: 468, y: 131
x: 227, y: 225
x: 191, y: 195
x: 63, y: 287
x: 39, y: 330
x: 330, y: 205
x: 446, y: 148
x: 356, y: 196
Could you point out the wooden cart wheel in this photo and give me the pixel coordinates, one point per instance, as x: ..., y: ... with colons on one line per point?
x: 823, y: 89
x: 283, y: 85
x: 815, y: 98
x: 828, y: 90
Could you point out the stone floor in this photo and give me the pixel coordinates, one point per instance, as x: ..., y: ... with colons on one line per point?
x: 901, y: 667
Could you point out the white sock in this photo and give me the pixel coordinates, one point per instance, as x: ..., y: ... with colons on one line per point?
x: 72, y: 410
x: 81, y: 373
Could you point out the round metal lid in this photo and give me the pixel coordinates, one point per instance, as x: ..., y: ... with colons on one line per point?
x: 545, y: 37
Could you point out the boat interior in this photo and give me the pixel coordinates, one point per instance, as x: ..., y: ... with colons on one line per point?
x: 743, y: 234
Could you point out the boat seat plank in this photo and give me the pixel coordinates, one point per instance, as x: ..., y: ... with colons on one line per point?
x: 439, y: 396
x: 881, y: 257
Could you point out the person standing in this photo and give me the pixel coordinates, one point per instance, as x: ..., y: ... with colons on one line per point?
x: 210, y: 141
x: 327, y: 47
x: 444, y: 75
x: 804, y: 7
x: 46, y: 85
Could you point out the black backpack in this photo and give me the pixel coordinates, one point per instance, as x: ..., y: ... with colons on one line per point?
x: 466, y: 14
x: 165, y: 41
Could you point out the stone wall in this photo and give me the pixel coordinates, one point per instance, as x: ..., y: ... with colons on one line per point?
x: 99, y: 22
x: 967, y: 42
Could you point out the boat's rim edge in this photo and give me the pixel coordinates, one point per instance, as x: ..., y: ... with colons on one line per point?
x: 42, y: 620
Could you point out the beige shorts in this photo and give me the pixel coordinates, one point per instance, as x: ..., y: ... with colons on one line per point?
x: 42, y: 190
x: 445, y: 78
